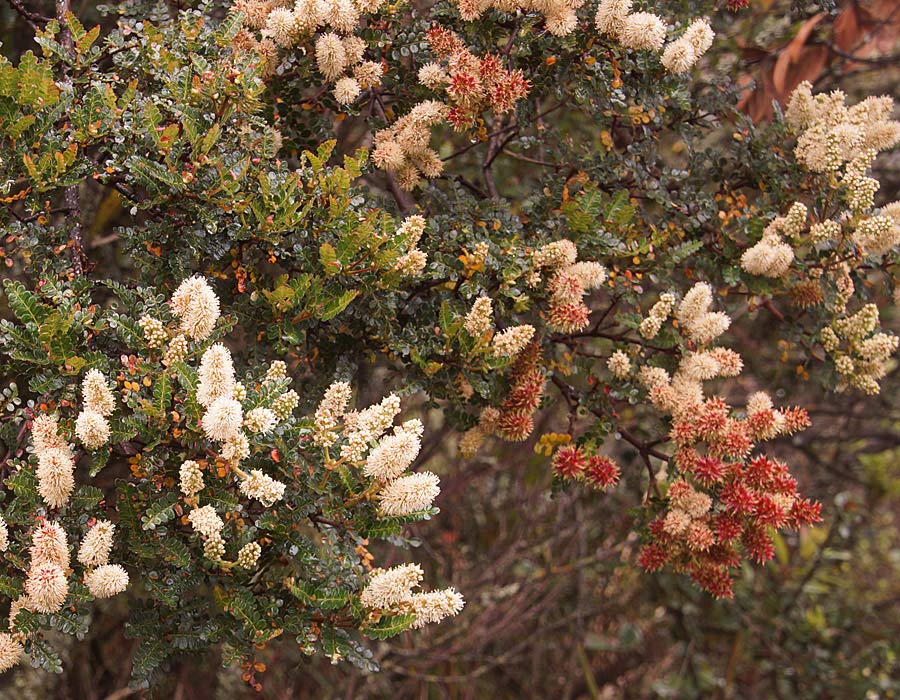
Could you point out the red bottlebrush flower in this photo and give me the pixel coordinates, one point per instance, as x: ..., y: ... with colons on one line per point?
x: 763, y: 425
x: 686, y: 458
x: 569, y: 462
x: 525, y: 395
x: 490, y: 69
x: 734, y: 442
x: 728, y: 527
x: 678, y: 489
x: 737, y: 5
x: 760, y: 472
x: 443, y: 42
x: 683, y: 433
x: 795, y: 420
x: 514, y: 427
x: 601, y: 472
x: 758, y: 544
x: 712, y: 419
x: 568, y: 318
x: 657, y: 528
x: 713, y: 579
x: 465, y: 88
x: 805, y: 512
x: 653, y: 557
x: 699, y: 537
x: 470, y: 9
x: 709, y: 470
x: 784, y: 484
x: 737, y: 498
x: 459, y: 118
x: 768, y: 512
x: 507, y: 90
x: 723, y: 555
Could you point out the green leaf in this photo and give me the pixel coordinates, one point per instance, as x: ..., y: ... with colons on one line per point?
x: 337, y: 305
x: 162, y: 395
x: 390, y: 626
x: 25, y: 305
x: 159, y: 512
x: 328, y: 258
x: 85, y: 498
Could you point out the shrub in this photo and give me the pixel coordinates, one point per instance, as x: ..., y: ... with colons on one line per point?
x: 193, y: 228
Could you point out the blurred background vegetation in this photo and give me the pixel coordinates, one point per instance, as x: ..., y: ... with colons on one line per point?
x: 556, y: 607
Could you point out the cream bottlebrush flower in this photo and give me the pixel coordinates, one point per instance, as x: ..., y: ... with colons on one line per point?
x: 153, y: 330
x: 281, y: 27
x: 176, y: 352
x: 619, y: 364
x: 331, y: 56
x: 255, y: 12
x: 97, y: 394
x: 56, y: 476
x: 46, y: 588
x: 308, y: 15
x: 263, y: 488
x: 190, y: 478
x: 589, y: 274
x: 610, y: 17
x: 285, y: 404
x: 346, y: 90
x: 10, y: 651
x: 215, y: 377
x: 355, y: 47
x: 679, y: 56
x: 4, y: 535
x: 556, y: 254
x: 223, y: 419
x: 49, y: 544
x: 197, y: 305
x: 411, y: 264
x: 214, y: 547
x: 479, y: 320
x: 249, y: 555
x: 330, y: 410
x: 433, y: 76
x: 700, y: 35
x: 394, y: 454
x: 260, y: 420
x: 434, y: 606
x: 342, y: 15
x: 411, y: 230
x: 107, y: 580
x: 365, y: 427
x: 97, y: 544
x: 276, y: 372
x: 368, y: 73
x: 45, y: 434
x: 707, y: 327
x: 643, y: 30
x: 562, y: 22
x: 390, y: 587
x: 409, y: 494
x: 92, y: 429
x: 770, y: 257
x: 694, y: 303
x: 236, y: 448
x: 512, y: 341
x: 206, y: 521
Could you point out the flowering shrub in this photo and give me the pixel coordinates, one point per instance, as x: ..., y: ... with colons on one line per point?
x: 204, y: 270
